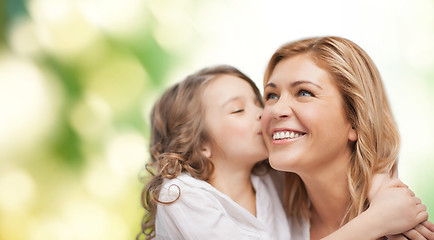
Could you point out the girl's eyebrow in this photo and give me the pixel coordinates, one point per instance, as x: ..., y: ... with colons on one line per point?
x: 231, y: 100
x: 294, y: 84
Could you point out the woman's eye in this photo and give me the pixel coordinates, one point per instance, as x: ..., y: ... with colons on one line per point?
x: 305, y: 93
x: 271, y: 96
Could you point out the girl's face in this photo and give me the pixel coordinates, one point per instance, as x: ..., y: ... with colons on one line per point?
x: 304, y: 123
x: 232, y: 114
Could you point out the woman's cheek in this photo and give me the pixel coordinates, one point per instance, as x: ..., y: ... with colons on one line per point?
x: 265, y: 119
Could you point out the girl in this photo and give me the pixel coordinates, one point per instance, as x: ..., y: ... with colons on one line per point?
x: 328, y: 122
x: 206, y: 142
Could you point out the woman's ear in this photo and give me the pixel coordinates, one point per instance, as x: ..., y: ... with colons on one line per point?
x: 352, y: 134
x: 206, y: 150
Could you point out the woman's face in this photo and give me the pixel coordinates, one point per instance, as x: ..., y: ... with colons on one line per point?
x: 232, y: 114
x: 304, y: 124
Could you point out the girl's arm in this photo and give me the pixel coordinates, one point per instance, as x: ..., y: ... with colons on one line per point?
x: 394, y: 209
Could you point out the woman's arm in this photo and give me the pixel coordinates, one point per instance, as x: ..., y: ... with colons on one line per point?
x: 422, y: 231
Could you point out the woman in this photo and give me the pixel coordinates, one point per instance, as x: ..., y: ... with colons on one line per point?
x: 327, y: 122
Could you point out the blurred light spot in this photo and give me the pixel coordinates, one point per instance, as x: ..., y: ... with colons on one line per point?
x: 27, y: 104
x: 100, y: 181
x: 17, y: 190
x: 122, y: 230
x: 120, y: 82
x: 14, y: 225
x: 60, y: 27
x: 44, y: 228
x: 121, y: 18
x: 170, y: 16
x: 91, y: 117
x: 152, y: 95
x: 22, y: 38
x: 172, y: 37
x: 168, y: 12
x: 126, y: 153
x: 86, y: 220
x: 53, y: 11
x: 89, y: 220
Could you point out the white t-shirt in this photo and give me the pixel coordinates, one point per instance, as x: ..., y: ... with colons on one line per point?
x: 203, y: 212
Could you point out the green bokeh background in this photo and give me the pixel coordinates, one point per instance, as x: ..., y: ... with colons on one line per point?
x: 78, y: 78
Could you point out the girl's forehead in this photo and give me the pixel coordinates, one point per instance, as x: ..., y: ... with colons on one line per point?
x: 227, y: 86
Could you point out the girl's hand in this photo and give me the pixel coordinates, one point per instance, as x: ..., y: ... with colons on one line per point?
x: 421, y: 231
x: 380, y: 181
x: 397, y: 209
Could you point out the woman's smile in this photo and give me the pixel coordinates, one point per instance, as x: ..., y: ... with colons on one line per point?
x: 282, y: 136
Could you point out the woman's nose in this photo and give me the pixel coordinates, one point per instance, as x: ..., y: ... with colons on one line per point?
x: 282, y: 109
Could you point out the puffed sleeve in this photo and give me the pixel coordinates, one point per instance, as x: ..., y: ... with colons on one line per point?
x: 195, y: 215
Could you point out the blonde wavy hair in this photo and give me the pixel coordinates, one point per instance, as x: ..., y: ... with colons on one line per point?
x: 177, y: 134
x: 367, y: 108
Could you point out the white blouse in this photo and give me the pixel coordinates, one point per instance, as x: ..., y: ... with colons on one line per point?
x: 203, y: 212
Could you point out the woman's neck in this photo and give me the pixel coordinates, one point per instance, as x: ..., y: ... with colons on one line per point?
x: 329, y: 196
x: 236, y: 184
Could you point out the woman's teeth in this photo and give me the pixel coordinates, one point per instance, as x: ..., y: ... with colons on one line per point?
x: 285, y: 135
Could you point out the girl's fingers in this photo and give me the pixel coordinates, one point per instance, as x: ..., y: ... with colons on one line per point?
x: 410, y: 192
x: 397, y: 237
x: 424, y: 231
x: 422, y: 207
x: 417, y: 200
x: 422, y: 216
x: 414, y: 235
x: 429, y: 225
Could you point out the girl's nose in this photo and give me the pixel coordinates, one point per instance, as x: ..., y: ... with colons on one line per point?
x: 260, y: 113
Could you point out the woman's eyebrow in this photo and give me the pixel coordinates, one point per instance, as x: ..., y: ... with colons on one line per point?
x: 294, y: 84
x: 270, y: 84
x: 299, y: 82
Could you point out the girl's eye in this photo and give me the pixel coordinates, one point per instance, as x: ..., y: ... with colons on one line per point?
x: 305, y: 93
x: 238, y: 111
x: 271, y: 96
